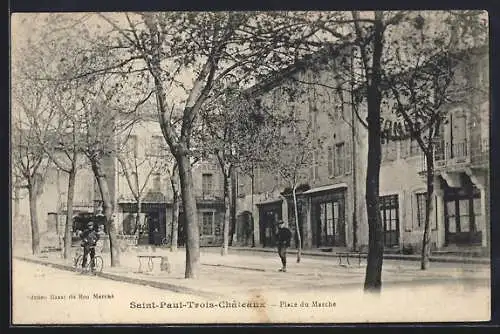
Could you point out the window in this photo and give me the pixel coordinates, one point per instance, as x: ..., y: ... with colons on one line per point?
x: 389, y: 150
x: 132, y: 145
x: 157, y: 146
x: 389, y: 212
x: 313, y: 115
x: 414, y: 148
x: 207, y: 184
x: 458, y: 136
x: 207, y: 224
x: 314, y: 165
x: 156, y: 178
x: 421, y: 201
x: 339, y: 160
x: 347, y: 158
x: 330, y: 161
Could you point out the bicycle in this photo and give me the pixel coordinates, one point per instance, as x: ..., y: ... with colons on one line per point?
x: 97, y: 261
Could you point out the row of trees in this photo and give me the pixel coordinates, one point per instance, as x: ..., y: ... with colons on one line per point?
x: 196, y: 67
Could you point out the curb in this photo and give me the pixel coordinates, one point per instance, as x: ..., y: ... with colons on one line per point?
x: 125, y: 279
x: 233, y: 267
x: 386, y: 256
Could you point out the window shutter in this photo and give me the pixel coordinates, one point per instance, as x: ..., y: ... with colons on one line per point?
x: 348, y: 157
x: 330, y: 161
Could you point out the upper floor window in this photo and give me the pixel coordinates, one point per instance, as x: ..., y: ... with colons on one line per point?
x: 410, y: 148
x: 389, y: 149
x: 132, y: 145
x: 156, y: 180
x: 314, y: 167
x: 157, y: 146
x: 458, y: 135
x: 339, y: 159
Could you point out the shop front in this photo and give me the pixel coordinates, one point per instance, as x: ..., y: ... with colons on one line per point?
x: 328, y: 217
x: 462, y: 212
x: 151, y: 225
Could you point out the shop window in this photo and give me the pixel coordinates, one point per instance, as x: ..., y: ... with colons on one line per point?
x: 207, y: 224
x: 389, y: 212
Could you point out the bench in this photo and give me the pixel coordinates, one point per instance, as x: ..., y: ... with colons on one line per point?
x: 150, y: 264
x: 347, y: 255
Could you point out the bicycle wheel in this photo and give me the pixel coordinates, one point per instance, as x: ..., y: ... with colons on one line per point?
x: 98, y: 264
x: 78, y: 263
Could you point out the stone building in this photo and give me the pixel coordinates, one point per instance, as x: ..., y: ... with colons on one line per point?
x: 332, y: 206
x: 152, y: 174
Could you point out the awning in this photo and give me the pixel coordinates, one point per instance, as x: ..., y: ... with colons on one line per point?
x: 326, y: 188
x: 270, y: 201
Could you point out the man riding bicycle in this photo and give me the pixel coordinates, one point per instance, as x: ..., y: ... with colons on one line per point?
x: 89, y: 240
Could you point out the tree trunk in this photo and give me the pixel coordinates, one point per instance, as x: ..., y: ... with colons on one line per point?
x: 252, y: 190
x: 35, y: 233
x: 138, y: 214
x: 426, y: 241
x: 234, y: 187
x: 373, y: 278
x: 227, y: 211
x: 69, y: 213
x: 299, y: 237
x: 192, y: 228
x: 107, y: 205
x: 175, y: 211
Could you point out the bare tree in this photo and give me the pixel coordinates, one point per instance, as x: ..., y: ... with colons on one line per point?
x: 29, y: 160
x: 375, y: 41
x: 216, y: 49
x: 138, y: 166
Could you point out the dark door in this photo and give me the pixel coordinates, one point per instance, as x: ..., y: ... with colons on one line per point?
x: 462, y: 207
x: 269, y: 214
x: 460, y: 227
x: 153, y: 220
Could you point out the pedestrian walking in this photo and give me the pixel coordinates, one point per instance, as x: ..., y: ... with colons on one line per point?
x: 283, y: 236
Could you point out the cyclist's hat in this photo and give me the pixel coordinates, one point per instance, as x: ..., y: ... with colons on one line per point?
x: 90, y: 223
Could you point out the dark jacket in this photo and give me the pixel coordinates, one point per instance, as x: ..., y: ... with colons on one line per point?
x: 284, y: 236
x: 89, y: 238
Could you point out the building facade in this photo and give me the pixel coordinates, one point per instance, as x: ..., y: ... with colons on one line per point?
x: 148, y: 165
x: 332, y: 210
x: 148, y: 191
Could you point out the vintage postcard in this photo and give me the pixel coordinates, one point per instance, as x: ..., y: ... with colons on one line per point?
x: 250, y: 167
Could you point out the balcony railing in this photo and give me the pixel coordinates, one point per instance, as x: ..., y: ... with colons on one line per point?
x: 209, y: 194
x: 481, y: 155
x: 456, y: 154
x: 447, y: 153
x: 79, y: 205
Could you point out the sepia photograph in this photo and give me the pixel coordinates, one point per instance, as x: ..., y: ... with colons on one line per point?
x: 250, y: 167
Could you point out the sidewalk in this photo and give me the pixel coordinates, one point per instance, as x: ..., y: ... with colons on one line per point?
x: 436, y: 257
x: 243, y: 272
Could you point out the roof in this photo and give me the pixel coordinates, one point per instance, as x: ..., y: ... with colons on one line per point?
x: 312, y: 61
